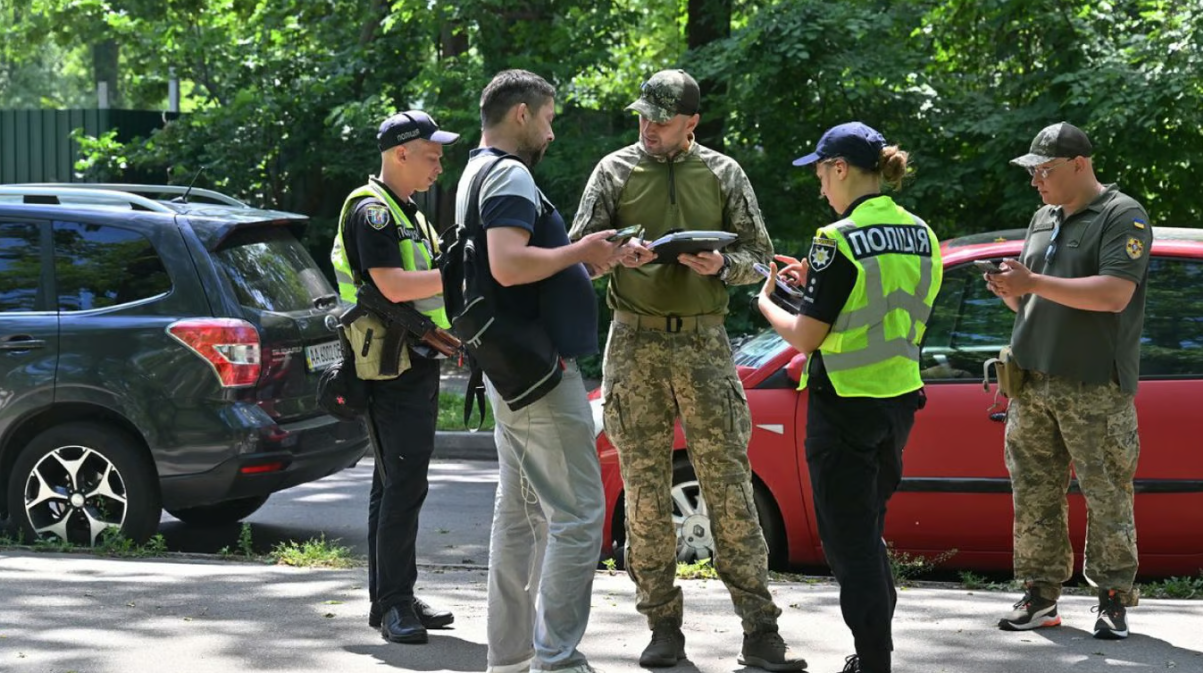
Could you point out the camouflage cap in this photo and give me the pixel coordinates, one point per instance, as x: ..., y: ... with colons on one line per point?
x: 1059, y: 141
x: 667, y: 94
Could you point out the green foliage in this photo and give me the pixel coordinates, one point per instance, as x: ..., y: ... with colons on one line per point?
x: 905, y: 566
x: 702, y: 569
x: 245, y: 545
x: 282, y: 99
x: 314, y: 553
x: 1174, y: 587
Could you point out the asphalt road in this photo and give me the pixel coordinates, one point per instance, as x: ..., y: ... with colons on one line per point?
x: 455, y: 519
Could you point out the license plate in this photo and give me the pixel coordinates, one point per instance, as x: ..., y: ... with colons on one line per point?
x: 321, y: 356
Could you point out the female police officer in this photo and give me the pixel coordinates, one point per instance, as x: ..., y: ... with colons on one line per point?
x: 868, y: 285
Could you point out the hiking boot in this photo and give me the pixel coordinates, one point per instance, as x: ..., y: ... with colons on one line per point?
x: 1112, y: 623
x: 1031, y: 612
x: 766, y: 649
x: 666, y: 649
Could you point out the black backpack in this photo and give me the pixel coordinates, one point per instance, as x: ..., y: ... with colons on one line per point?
x: 515, y: 353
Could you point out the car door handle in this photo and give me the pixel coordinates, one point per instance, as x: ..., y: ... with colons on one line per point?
x: 20, y: 342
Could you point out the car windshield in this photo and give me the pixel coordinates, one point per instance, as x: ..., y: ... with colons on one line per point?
x: 758, y: 350
x: 271, y: 271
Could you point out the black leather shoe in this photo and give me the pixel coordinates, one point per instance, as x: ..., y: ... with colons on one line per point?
x: 374, y: 616
x: 431, y: 618
x: 401, y: 625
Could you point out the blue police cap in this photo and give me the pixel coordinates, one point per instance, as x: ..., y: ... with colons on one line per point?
x: 406, y: 126
x: 857, y: 143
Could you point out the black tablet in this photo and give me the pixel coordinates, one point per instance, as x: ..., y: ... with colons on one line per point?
x: 667, y: 247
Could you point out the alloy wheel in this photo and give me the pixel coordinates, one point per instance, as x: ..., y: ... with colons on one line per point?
x: 74, y: 494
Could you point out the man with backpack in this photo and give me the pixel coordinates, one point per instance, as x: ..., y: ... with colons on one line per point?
x: 547, y: 519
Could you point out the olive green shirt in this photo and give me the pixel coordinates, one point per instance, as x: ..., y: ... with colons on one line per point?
x: 698, y: 189
x: 1109, y: 237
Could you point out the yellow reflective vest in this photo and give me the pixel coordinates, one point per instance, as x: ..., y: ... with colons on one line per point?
x: 418, y: 247
x: 872, y: 349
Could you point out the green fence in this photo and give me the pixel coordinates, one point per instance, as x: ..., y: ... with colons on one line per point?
x: 36, y: 145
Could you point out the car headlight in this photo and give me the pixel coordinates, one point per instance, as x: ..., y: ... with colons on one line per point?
x: 598, y: 417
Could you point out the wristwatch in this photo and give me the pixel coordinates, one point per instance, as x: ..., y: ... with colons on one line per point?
x: 725, y: 270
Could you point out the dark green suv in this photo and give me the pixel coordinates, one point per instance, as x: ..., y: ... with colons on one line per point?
x: 158, y: 350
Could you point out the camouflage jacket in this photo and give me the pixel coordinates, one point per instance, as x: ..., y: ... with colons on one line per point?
x: 697, y: 189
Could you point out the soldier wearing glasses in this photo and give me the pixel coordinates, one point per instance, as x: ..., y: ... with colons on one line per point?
x: 1079, y: 296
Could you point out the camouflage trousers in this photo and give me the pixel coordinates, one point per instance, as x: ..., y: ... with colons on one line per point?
x: 650, y: 377
x: 1053, y: 423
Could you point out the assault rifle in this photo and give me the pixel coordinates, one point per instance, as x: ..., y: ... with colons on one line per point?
x: 401, y: 320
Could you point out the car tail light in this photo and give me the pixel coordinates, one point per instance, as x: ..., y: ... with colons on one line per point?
x: 230, y: 346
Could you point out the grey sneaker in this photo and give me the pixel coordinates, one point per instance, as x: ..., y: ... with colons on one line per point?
x: 767, y: 650
x: 666, y: 649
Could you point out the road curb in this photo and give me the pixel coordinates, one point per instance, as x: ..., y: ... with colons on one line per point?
x: 463, y: 445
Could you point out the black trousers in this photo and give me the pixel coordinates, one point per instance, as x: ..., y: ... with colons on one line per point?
x: 404, y: 411
x: 854, y: 451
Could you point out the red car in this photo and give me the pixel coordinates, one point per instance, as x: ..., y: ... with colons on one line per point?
x: 955, y: 492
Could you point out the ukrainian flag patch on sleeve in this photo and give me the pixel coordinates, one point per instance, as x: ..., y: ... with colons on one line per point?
x: 1139, y: 223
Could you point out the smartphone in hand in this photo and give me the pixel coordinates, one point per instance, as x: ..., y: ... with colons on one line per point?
x: 782, y: 286
x: 626, y: 233
x: 987, y: 266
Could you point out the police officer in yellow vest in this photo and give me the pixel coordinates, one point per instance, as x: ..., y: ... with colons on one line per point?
x: 868, y: 285
x: 384, y: 240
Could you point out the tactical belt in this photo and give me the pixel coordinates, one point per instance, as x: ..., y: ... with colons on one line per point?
x: 669, y: 323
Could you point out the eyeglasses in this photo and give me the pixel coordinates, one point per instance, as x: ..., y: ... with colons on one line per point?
x: 1051, y: 252
x: 1043, y: 171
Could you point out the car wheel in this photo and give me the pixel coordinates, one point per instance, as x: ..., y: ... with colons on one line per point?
x: 75, y: 480
x: 691, y: 518
x: 230, y: 511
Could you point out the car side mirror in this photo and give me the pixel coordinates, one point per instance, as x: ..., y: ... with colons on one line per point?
x: 794, y: 369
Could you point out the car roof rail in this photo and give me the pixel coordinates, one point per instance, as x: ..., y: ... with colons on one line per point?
x: 179, y: 190
x: 53, y: 196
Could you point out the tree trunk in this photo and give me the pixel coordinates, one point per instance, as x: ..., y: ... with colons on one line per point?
x: 105, y: 63
x: 453, y: 42
x: 709, y: 21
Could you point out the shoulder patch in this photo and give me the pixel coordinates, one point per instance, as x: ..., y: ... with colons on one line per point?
x: 1139, y: 223
x: 1135, y: 247
x: 377, y: 215
x: 822, y: 253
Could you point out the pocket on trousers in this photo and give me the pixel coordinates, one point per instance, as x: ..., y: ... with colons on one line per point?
x: 612, y: 421
x: 737, y: 404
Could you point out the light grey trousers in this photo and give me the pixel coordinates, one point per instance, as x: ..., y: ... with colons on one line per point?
x: 547, y: 529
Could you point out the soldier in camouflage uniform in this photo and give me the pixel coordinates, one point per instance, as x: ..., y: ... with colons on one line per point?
x: 668, y: 354
x: 1079, y: 294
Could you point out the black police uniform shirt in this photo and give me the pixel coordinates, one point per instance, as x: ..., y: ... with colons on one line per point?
x: 827, y: 290
x: 376, y: 243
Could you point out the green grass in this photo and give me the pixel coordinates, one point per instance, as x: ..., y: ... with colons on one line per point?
x: 451, y: 413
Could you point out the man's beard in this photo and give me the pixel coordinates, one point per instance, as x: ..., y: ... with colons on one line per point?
x: 532, y: 154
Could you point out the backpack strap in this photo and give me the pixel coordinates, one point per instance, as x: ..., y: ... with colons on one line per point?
x: 474, y: 396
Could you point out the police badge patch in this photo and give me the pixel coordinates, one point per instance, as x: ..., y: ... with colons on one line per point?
x: 377, y: 216
x: 1135, y: 248
x: 822, y: 253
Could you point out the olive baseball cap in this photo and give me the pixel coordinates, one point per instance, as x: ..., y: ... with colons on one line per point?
x: 1059, y: 141
x: 667, y: 94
